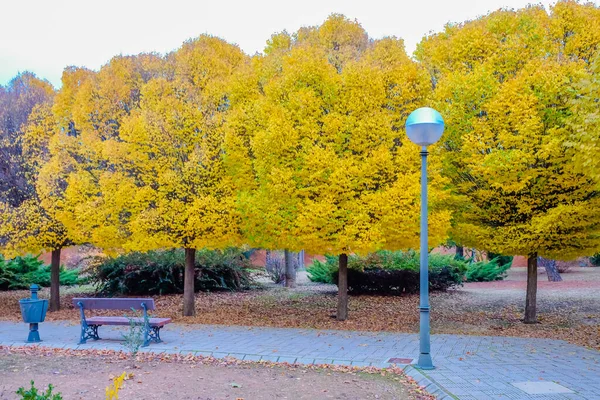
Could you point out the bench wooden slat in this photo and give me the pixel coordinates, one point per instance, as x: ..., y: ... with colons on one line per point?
x: 126, y: 321
x: 114, y: 304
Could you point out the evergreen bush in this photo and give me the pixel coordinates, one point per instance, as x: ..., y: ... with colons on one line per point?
x: 322, y: 271
x: 21, y: 272
x: 161, y: 272
x: 487, y: 271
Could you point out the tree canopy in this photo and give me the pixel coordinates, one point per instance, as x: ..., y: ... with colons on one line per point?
x: 317, y: 147
x: 506, y: 84
x: 303, y: 146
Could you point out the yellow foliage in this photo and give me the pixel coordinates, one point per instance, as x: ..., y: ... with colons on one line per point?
x: 316, y: 145
x: 584, y: 143
x: 112, y: 391
x: 506, y: 84
x: 144, y: 168
x: 304, y: 147
x: 521, y: 192
x: 30, y: 226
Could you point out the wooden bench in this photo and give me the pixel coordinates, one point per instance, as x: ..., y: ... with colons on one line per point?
x: 90, y: 325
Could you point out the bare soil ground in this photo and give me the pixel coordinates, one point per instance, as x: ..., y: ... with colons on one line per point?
x: 87, y: 378
x: 568, y: 310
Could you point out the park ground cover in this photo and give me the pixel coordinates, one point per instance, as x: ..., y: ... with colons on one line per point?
x: 568, y: 309
x: 81, y: 374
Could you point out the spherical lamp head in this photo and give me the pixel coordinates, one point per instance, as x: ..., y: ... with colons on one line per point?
x: 424, y: 126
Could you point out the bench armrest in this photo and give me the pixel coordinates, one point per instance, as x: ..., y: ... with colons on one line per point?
x: 81, y: 312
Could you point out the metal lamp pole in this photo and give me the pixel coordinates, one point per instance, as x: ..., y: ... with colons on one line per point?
x: 425, y: 361
x: 424, y: 126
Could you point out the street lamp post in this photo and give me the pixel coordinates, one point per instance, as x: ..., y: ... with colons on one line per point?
x: 424, y: 127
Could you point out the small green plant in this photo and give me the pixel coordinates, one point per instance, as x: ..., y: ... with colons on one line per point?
x: 33, y: 394
x: 134, y: 338
x: 595, y: 260
x: 487, y: 271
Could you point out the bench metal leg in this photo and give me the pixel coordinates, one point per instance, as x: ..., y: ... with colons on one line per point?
x: 152, y: 335
x: 89, y: 332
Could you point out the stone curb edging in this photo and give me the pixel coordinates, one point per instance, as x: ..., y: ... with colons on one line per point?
x: 428, y: 384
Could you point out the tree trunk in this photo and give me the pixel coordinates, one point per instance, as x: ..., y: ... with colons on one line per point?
x: 189, y: 309
x: 55, y: 281
x: 342, y: 311
x: 300, y: 260
x: 290, y: 270
x: 460, y: 253
x: 551, y: 270
x: 530, y: 300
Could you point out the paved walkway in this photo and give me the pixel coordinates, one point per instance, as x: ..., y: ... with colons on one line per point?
x: 467, y: 367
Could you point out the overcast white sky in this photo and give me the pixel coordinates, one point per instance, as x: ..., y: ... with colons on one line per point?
x: 44, y: 36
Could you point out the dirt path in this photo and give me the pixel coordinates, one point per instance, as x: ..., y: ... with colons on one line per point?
x: 578, y: 292
x: 87, y: 378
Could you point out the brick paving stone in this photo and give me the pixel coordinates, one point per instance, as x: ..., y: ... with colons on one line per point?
x: 305, y: 361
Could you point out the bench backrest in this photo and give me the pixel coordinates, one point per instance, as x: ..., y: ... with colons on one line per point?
x: 113, y: 303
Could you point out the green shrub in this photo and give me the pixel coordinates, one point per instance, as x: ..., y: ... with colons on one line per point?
x: 322, y: 271
x: 22, y: 272
x: 161, y: 272
x: 487, y: 271
x: 42, y: 277
x: 32, y: 393
x: 500, y: 259
x: 595, y: 260
x: 391, y: 272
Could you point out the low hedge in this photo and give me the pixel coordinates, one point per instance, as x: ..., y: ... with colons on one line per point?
x: 390, y: 272
x: 161, y: 272
x: 396, y: 282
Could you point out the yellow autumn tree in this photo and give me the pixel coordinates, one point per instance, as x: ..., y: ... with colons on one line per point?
x: 91, y: 108
x: 316, y: 145
x: 584, y: 143
x: 149, y: 172
x: 26, y: 226
x: 507, y: 99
